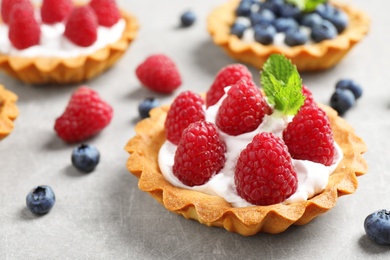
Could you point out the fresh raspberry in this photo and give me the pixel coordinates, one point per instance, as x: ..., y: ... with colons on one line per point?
x: 24, y: 30
x: 107, y: 12
x: 85, y: 115
x: 187, y: 108
x: 264, y: 173
x: 309, y: 100
x: 81, y: 26
x: 54, y: 11
x: 242, y: 110
x: 227, y: 76
x: 309, y: 136
x: 8, y: 5
x: 200, y: 154
x: 159, y: 73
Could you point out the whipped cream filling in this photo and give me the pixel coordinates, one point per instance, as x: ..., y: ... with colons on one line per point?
x: 312, y: 177
x: 53, y: 43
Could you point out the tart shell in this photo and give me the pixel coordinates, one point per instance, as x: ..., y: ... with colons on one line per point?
x: 215, y: 211
x: 310, y: 57
x: 8, y: 111
x: 45, y: 70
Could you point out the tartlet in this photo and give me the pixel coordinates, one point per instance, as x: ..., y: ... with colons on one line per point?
x: 44, y: 70
x: 215, y: 211
x: 309, y: 57
x: 8, y: 111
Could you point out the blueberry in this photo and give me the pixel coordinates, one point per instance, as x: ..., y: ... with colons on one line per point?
x: 273, y: 5
x: 264, y: 33
x: 290, y: 10
x: 342, y: 100
x: 85, y: 157
x: 336, y: 16
x: 295, y: 37
x: 244, y: 8
x: 146, y: 105
x: 237, y: 29
x: 285, y: 24
x: 40, y: 200
x: 323, y: 31
x: 311, y: 19
x: 351, y: 85
x: 263, y: 16
x: 187, y: 18
x: 377, y: 226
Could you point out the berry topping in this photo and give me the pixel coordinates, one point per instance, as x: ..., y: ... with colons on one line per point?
x: 200, y: 154
x: 263, y: 16
x: 338, y: 18
x: 242, y: 110
x: 351, y: 85
x: 309, y: 136
x: 323, y: 31
x: 85, y: 115
x: 107, y: 12
x: 40, y: 200
x: 309, y: 99
x: 295, y: 37
x: 227, y: 76
x: 264, y: 173
x: 311, y: 19
x: 85, y: 157
x: 146, y: 105
x: 54, y: 11
x: 187, y: 19
x: 264, y: 33
x: 159, y: 73
x: 377, y: 226
x: 81, y: 26
x: 238, y: 29
x: 342, y: 100
x: 24, y: 30
x: 187, y: 108
x: 285, y: 24
x: 8, y: 5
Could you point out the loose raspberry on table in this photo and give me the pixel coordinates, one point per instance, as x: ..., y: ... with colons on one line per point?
x: 200, y: 154
x: 187, y: 108
x: 227, y: 76
x: 81, y: 26
x: 264, y: 173
x: 55, y: 11
x: 242, y: 110
x: 159, y: 73
x: 85, y: 116
x: 106, y: 11
x: 309, y: 136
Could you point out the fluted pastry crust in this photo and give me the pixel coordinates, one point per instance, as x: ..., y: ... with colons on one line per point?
x: 8, y: 111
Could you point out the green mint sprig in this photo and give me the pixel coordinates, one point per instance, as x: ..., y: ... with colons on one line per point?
x: 282, y: 84
x: 306, y: 5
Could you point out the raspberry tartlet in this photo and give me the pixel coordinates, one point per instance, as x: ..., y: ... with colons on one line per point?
x: 287, y: 32
x: 244, y: 163
x: 62, y: 42
x: 8, y: 111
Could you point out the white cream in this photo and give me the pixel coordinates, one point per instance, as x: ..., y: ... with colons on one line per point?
x: 312, y: 177
x: 53, y: 43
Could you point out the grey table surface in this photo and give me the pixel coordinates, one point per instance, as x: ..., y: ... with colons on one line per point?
x: 103, y: 215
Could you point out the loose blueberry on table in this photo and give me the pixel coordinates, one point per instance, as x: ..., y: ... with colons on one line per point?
x: 188, y: 18
x: 40, y: 200
x: 377, y: 226
x: 146, y: 105
x: 85, y: 157
x: 346, y: 93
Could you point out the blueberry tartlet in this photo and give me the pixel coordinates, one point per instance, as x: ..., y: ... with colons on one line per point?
x: 8, y: 111
x: 313, y: 37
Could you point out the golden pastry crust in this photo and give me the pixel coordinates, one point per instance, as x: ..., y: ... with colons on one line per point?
x: 310, y: 57
x: 214, y: 210
x: 8, y: 111
x: 44, y: 70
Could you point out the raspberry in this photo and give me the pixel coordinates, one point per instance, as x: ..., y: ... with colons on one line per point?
x: 309, y: 100
x: 242, y: 110
x: 309, y: 136
x: 8, y: 5
x: 227, y: 76
x: 54, y: 11
x: 107, y: 12
x: 159, y: 73
x: 187, y: 108
x: 85, y: 115
x: 24, y: 30
x: 81, y: 26
x: 264, y: 173
x: 200, y: 154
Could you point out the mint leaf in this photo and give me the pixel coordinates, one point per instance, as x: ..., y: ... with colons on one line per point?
x: 282, y: 84
x: 306, y: 5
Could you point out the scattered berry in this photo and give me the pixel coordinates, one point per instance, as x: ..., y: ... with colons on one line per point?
x: 81, y: 26
x: 85, y: 115
x: 243, y: 109
x: 342, y: 100
x: 54, y: 11
x: 40, y: 200
x: 188, y: 18
x: 187, y: 108
x: 85, y: 157
x: 351, y: 85
x: 309, y: 136
x: 146, y: 105
x: 264, y: 173
x: 107, y: 12
x: 200, y: 154
x: 227, y: 76
x: 159, y: 73
x: 377, y: 226
x: 24, y: 30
